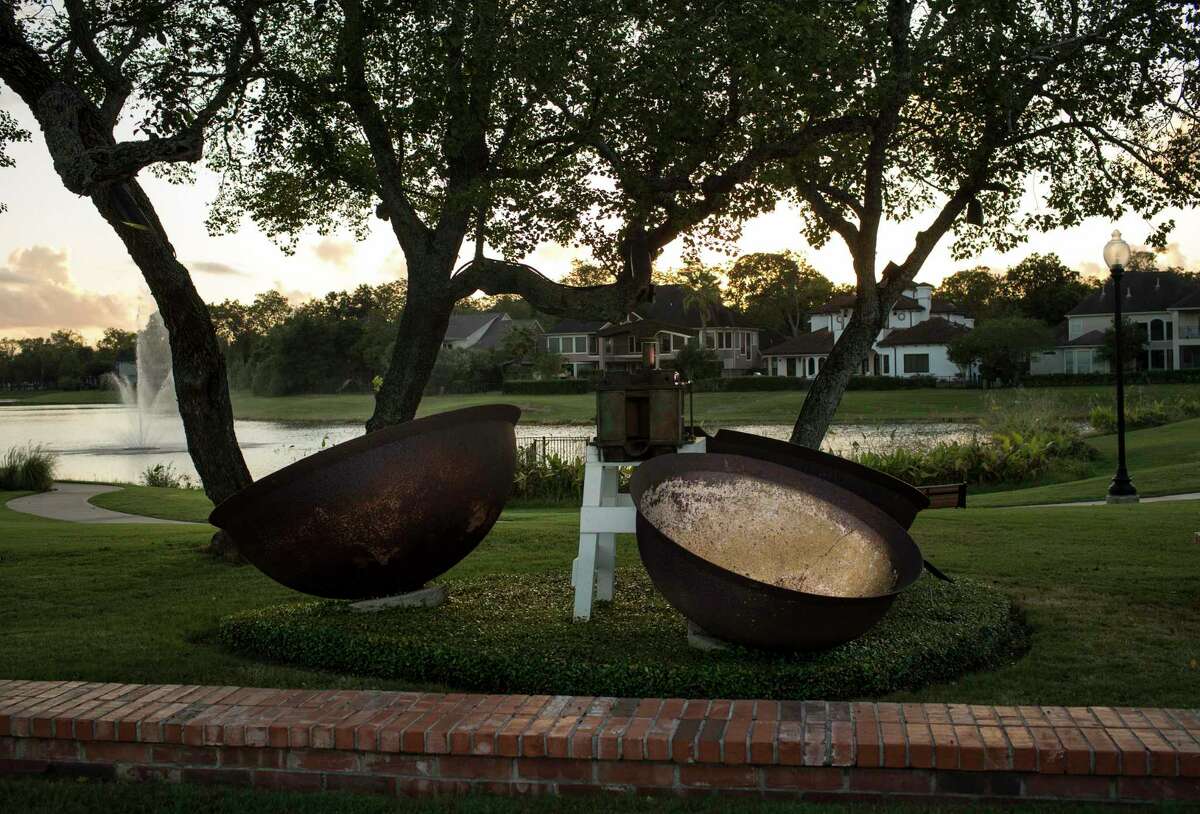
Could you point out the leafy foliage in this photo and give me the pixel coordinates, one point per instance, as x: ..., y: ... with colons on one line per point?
x: 1039, y: 287
x: 1001, y: 347
x: 165, y: 476
x: 10, y: 132
x: 514, y: 633
x: 1134, y: 342
x: 1141, y: 412
x: 62, y: 360
x: 776, y: 291
x: 27, y: 469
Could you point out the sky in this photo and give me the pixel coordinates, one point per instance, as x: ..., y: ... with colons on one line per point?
x: 61, y: 266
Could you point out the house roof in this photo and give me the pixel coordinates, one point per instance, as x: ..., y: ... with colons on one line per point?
x: 501, y: 328
x: 644, y: 328
x: 842, y: 302
x: 576, y: 326
x: 944, y: 306
x: 1091, y: 339
x: 813, y: 342
x: 933, y: 331
x: 668, y: 307
x: 1144, y: 291
x: 463, y: 325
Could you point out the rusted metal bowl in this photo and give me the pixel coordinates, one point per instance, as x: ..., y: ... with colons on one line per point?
x: 899, y: 499
x: 381, y: 514
x: 763, y: 555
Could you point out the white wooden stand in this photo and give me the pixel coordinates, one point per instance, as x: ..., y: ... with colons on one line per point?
x: 605, y: 513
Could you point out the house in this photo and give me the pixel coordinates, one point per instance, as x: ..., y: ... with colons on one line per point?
x: 912, y: 343
x: 668, y: 322
x: 1165, y: 303
x: 484, y: 330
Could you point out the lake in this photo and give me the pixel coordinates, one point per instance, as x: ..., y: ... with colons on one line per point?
x: 104, y: 442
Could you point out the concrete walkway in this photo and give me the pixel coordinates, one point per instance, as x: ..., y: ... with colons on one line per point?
x: 69, y: 501
x: 1159, y: 499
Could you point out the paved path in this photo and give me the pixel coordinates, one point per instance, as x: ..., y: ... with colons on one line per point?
x: 1159, y: 499
x: 69, y: 501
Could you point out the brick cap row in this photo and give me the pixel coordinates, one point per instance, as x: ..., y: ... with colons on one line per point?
x: 1106, y: 741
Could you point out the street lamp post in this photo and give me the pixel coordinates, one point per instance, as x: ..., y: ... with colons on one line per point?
x: 1116, y: 255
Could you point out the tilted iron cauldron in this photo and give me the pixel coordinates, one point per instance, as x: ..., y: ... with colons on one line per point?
x: 899, y: 499
x: 722, y: 537
x: 381, y: 514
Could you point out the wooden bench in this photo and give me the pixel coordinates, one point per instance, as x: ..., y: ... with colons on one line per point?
x: 945, y: 495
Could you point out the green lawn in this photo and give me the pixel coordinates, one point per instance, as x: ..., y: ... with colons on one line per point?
x: 1110, y: 593
x: 717, y: 409
x: 712, y: 409
x: 37, y: 796
x: 60, y: 396
x: 1162, y: 461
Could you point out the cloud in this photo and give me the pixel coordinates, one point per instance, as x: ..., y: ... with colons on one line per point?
x: 213, y: 267
x: 37, y: 293
x: 336, y: 252
x: 394, y: 266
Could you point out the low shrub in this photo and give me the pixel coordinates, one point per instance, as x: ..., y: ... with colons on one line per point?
x: 513, y: 633
x: 1143, y: 412
x: 547, y: 478
x: 752, y: 384
x: 1189, y: 376
x: 165, y: 476
x: 27, y: 469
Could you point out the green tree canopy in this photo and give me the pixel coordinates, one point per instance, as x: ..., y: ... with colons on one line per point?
x: 777, y: 290
x: 1001, y: 348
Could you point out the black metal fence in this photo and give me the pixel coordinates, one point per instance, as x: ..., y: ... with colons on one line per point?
x: 566, y: 448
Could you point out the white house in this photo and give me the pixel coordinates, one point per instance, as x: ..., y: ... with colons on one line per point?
x: 665, y: 322
x: 912, y: 343
x: 1165, y: 303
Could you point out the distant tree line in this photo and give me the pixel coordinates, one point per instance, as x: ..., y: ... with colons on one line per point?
x: 63, y: 360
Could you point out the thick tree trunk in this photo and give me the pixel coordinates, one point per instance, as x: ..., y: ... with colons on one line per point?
x: 197, y: 362
x: 827, y: 389
x: 418, y: 339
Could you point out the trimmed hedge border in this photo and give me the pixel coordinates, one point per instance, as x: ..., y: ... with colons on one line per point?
x: 513, y: 634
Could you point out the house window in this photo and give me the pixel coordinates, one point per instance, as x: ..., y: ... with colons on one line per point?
x: 710, y: 339
x: 678, y: 342
x: 791, y: 366
x: 916, y: 363
x: 581, y: 344
x: 744, y: 343
x: 552, y: 344
x: 1156, y: 330
x: 632, y: 344
x: 608, y: 346
x: 812, y: 366
x: 1170, y: 330
x: 887, y: 364
x: 593, y: 346
x: 820, y: 362
x: 1158, y: 360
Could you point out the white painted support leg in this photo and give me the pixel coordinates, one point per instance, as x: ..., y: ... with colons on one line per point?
x: 583, y: 576
x: 606, y: 566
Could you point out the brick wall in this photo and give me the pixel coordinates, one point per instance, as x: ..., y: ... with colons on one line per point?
x: 420, y: 743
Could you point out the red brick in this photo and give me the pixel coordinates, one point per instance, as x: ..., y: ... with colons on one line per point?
x: 582, y: 738
x: 869, y: 744
x: 252, y: 757
x: 577, y: 771
x: 1135, y: 760
x: 391, y: 763
x: 734, y: 746
x: 1052, y: 758
x: 895, y: 750
x: 816, y: 747
x: 46, y: 749
x: 323, y: 760
x: 472, y: 767
x: 841, y: 746
x: 970, y: 748
x: 1068, y: 787
x: 625, y: 773
x: 1024, y: 752
x: 1187, y: 751
x: 722, y: 777
x: 1158, y: 789
x: 223, y: 777
x: 633, y: 741
x: 106, y: 752
x: 658, y: 739
x: 683, y: 741
x: 763, y: 736
x: 995, y: 748
x: 1108, y: 717
x: 791, y: 743
x: 558, y: 739
x: 1106, y: 758
x: 891, y: 781
x: 1078, y: 751
x: 1162, y: 755
x: 920, y: 745
x: 811, y: 778
x: 608, y: 738
x: 945, y: 746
